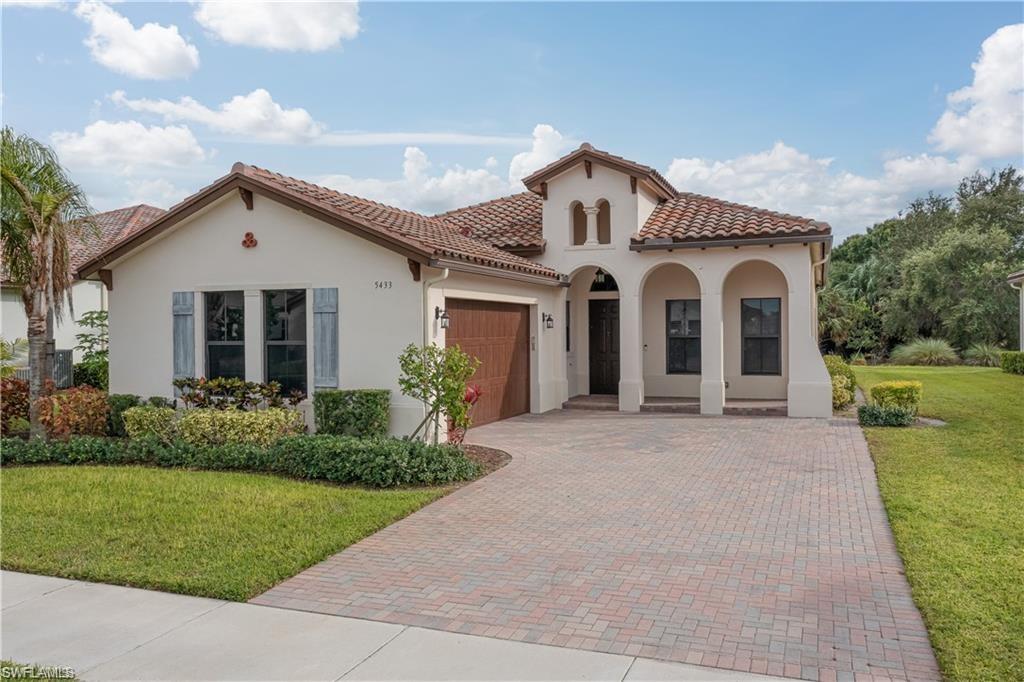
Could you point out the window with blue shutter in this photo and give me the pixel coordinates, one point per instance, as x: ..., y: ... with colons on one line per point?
x: 184, y: 333
x: 325, y: 337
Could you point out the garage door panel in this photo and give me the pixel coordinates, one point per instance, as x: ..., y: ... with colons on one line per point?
x: 498, y: 335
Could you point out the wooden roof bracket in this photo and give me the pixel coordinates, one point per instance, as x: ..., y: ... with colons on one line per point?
x: 246, y: 195
x: 589, y: 166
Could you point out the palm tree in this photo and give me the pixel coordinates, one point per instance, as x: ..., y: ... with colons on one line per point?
x: 40, y: 208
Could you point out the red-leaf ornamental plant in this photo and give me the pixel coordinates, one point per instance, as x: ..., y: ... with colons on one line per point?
x: 457, y: 434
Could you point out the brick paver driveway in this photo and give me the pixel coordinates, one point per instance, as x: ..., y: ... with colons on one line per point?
x: 754, y: 544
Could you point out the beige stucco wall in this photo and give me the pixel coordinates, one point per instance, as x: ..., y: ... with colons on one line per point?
x: 665, y: 283
x: 85, y: 296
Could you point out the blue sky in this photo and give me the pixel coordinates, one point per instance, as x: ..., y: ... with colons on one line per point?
x: 827, y: 110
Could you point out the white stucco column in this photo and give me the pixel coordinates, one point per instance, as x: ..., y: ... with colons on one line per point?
x: 712, y: 353
x: 254, y: 335
x: 561, y: 368
x: 631, y: 378
x: 809, y: 393
x: 591, y: 212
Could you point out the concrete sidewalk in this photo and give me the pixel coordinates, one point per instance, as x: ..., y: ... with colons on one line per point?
x: 105, y: 632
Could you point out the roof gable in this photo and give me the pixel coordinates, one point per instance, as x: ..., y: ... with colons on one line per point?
x: 586, y: 153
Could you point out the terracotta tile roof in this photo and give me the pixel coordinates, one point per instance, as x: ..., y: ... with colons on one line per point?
x: 586, y: 151
x: 109, y: 228
x: 693, y: 217
x: 437, y: 237
x: 509, y: 222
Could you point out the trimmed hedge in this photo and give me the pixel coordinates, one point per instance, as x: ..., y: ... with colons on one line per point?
x: 218, y: 427
x: 95, y: 373
x: 379, y: 462
x: 837, y: 367
x: 842, y: 394
x: 877, y: 415
x: 146, y: 421
x: 1012, y: 361
x: 119, y: 402
x: 902, y: 394
x: 360, y: 412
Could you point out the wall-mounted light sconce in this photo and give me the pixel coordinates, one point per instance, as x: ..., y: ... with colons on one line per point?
x: 442, y: 315
x: 599, y: 276
x: 548, y: 319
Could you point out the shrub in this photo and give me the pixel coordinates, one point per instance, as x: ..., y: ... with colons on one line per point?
x: 78, y: 411
x: 217, y: 427
x: 858, y: 360
x: 18, y: 427
x: 119, y: 402
x: 225, y: 393
x: 13, y: 402
x: 94, y: 373
x: 877, y: 415
x: 836, y: 366
x: 1012, y: 361
x: 983, y: 355
x: 902, y: 394
x: 437, y: 377
x: 146, y: 421
x: 363, y: 412
x: 842, y: 396
x: 925, y: 352
x: 159, y: 401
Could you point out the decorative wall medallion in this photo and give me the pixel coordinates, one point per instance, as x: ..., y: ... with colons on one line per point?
x: 249, y: 241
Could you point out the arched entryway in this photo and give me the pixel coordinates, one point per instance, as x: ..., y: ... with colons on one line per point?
x: 671, y: 333
x: 754, y: 327
x: 592, y: 339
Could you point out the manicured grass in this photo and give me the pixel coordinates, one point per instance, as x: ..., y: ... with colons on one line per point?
x: 955, y: 498
x: 226, y: 535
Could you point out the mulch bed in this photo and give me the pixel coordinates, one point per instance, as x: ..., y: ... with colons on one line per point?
x: 489, y: 459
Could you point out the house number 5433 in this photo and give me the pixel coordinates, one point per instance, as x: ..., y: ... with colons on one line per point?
x: 382, y: 284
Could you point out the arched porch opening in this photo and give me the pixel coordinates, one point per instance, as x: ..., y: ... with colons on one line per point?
x: 592, y: 338
x: 755, y: 314
x: 670, y: 300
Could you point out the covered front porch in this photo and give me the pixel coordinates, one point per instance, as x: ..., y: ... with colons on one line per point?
x: 674, y: 405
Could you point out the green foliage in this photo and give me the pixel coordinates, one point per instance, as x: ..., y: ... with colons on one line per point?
x: 858, y: 360
x: 93, y: 343
x: 983, y: 355
x: 361, y: 412
x: 842, y: 394
x: 159, y: 401
x: 146, y: 421
x: 903, y: 394
x: 78, y: 411
x: 836, y: 366
x: 437, y: 377
x: 119, y: 402
x: 219, y: 427
x: 1013, y: 362
x: 94, y: 372
x: 13, y: 403
x: 378, y: 462
x: 939, y: 269
x: 877, y: 415
x: 925, y: 352
x: 225, y: 393
x: 13, y: 354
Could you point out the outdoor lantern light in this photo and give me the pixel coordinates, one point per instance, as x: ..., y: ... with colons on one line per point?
x: 599, y: 276
x: 549, y: 320
x: 443, y: 316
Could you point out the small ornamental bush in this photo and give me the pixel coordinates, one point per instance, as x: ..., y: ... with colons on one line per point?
x: 836, y: 366
x: 218, y: 427
x: 983, y: 355
x: 362, y: 412
x: 94, y: 372
x: 925, y: 352
x: 146, y: 421
x: 1012, y: 361
x: 78, y: 411
x: 13, y: 403
x: 842, y: 396
x: 119, y: 402
x: 877, y: 415
x: 159, y: 401
x: 902, y: 394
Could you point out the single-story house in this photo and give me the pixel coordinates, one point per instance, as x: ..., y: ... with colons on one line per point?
x: 600, y: 278
x: 86, y: 295
x: 1016, y: 280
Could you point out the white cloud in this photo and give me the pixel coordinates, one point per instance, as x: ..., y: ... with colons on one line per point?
x: 548, y: 145
x: 126, y: 146
x: 35, y: 4
x: 986, y: 118
x: 785, y: 179
x: 292, y: 26
x: 255, y: 115
x: 151, y: 51
x: 158, y: 192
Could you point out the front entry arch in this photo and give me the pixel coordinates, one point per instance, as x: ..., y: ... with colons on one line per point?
x: 604, y: 346
x: 592, y: 350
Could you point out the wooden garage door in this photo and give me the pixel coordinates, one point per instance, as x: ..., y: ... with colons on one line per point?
x: 498, y: 334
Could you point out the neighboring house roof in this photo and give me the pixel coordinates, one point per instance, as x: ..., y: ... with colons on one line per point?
x: 586, y: 152
x: 108, y: 228
x: 696, y: 218
x: 1016, y: 277
x: 513, y: 222
x: 423, y: 238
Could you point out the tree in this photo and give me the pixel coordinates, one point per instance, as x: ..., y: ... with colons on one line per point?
x: 437, y: 377
x: 41, y: 208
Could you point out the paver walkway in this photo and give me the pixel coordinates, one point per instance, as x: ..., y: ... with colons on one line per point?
x: 753, y: 544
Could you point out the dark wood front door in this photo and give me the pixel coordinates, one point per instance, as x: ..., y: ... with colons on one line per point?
x: 604, y: 347
x: 498, y: 334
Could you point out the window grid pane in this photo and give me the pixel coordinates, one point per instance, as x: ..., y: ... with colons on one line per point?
x: 682, y: 331
x: 761, y: 322
x: 225, y: 334
x: 284, y: 336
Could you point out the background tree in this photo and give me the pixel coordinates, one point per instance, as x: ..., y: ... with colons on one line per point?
x: 40, y: 208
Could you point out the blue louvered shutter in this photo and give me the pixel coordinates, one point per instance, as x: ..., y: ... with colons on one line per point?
x: 325, y: 338
x: 183, y: 309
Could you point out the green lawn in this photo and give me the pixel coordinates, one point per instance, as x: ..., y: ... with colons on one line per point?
x: 226, y: 535
x: 955, y: 498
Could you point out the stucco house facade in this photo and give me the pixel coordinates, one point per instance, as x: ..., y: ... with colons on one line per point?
x: 600, y: 278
